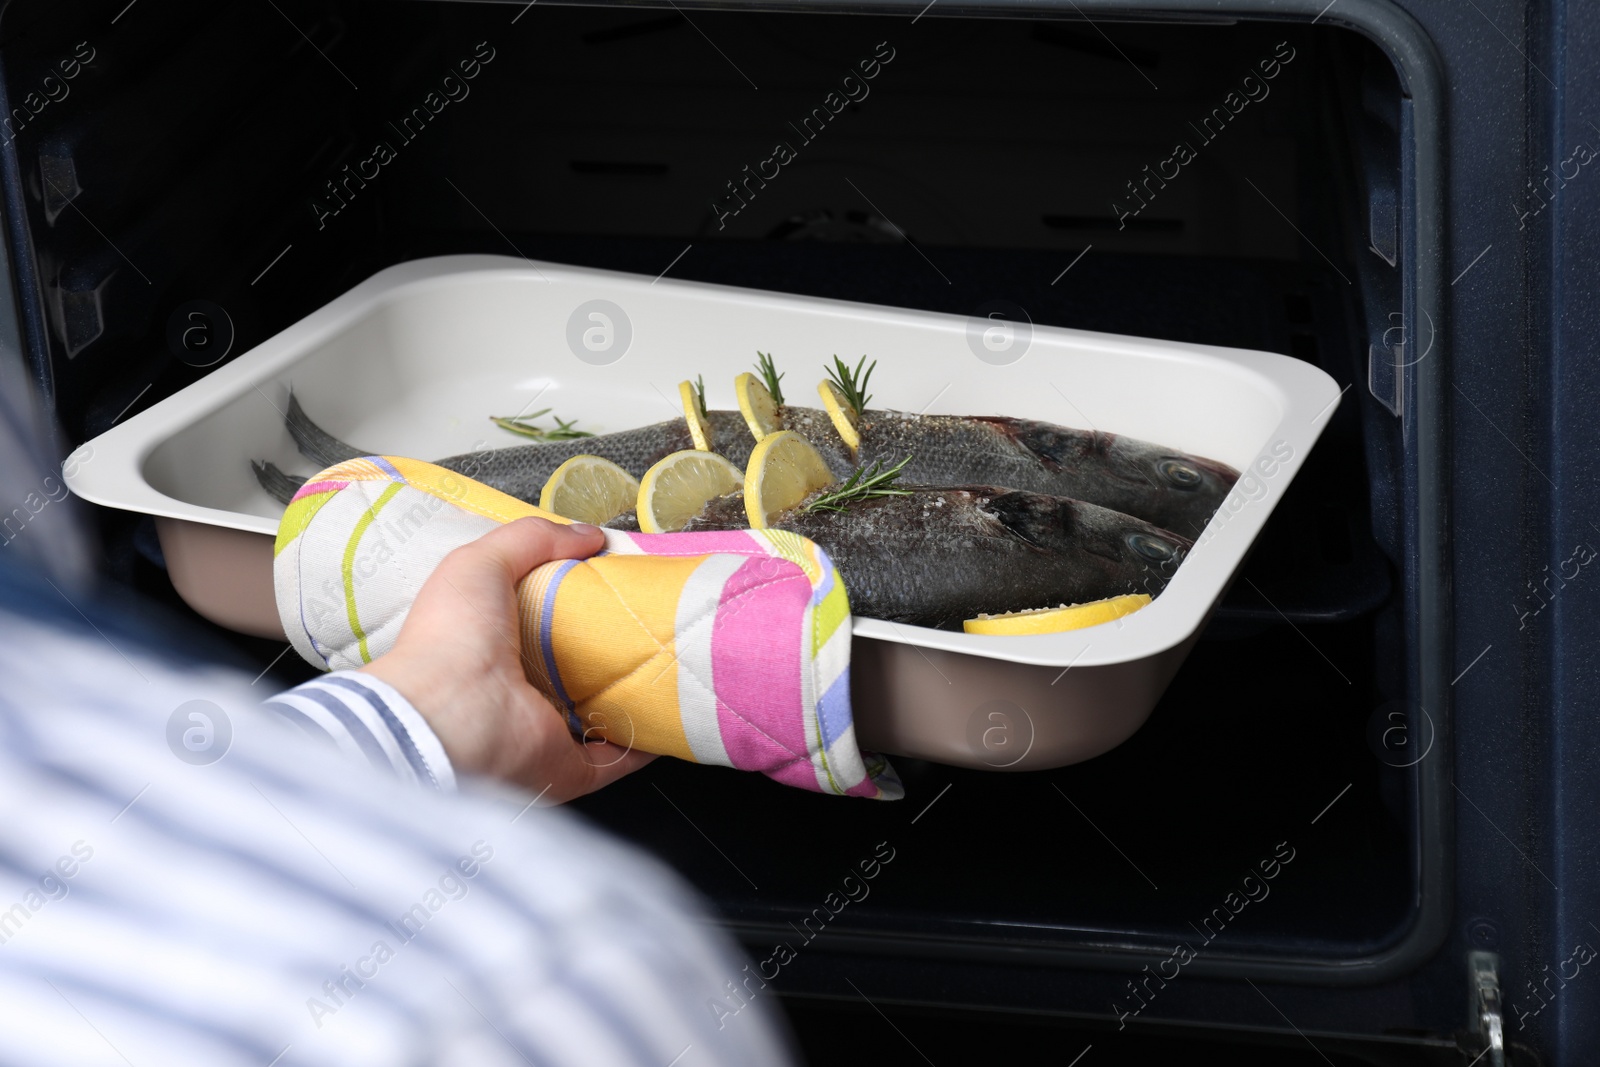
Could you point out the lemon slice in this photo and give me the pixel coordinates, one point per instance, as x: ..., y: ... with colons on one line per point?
x: 784, y: 469
x: 760, y: 411
x: 589, y: 489
x: 675, y: 489
x: 1056, y: 620
x: 699, y: 428
x: 842, y: 414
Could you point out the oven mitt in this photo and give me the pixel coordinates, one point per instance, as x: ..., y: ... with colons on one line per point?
x: 725, y: 647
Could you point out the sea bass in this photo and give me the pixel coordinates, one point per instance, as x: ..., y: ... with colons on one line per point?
x: 522, y: 470
x: 938, y: 555
x: 1172, y: 489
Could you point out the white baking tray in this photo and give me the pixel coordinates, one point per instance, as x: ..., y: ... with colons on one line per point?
x: 414, y: 360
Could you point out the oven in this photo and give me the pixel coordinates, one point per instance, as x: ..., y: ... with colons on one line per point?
x: 1359, y: 824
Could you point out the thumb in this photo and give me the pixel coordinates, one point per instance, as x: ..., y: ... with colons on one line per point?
x: 508, y: 553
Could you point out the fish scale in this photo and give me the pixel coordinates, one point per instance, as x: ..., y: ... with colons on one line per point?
x: 521, y: 471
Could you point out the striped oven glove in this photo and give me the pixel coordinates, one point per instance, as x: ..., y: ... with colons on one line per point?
x: 727, y: 647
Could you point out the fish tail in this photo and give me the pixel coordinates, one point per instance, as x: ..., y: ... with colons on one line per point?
x: 280, y: 486
x: 315, y: 443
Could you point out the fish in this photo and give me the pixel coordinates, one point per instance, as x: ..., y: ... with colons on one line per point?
x: 933, y: 555
x: 937, y: 555
x: 1169, y: 488
x: 521, y: 470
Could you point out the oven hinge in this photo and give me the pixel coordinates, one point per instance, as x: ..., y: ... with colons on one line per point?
x: 1484, y: 968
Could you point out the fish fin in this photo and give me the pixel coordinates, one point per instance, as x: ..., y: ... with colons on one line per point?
x: 1031, y: 517
x: 280, y: 486
x: 315, y: 443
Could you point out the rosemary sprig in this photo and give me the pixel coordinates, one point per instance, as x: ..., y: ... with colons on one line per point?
x: 522, y: 426
x: 863, y: 484
x: 564, y: 431
x: 769, y: 376
x: 700, y: 393
x: 852, y: 383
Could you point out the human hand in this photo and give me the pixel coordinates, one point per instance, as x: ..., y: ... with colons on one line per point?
x: 458, y: 661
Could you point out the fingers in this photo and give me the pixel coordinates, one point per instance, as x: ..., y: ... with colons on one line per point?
x: 585, y: 768
x: 508, y: 553
x: 608, y: 767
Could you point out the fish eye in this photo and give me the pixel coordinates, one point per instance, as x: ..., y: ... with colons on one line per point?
x: 1151, y: 548
x: 1180, y: 474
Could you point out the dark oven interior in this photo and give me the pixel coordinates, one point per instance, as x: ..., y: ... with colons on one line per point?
x: 229, y: 152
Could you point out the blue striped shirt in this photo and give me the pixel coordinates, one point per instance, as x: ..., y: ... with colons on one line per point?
x: 185, y: 879
x: 371, y: 723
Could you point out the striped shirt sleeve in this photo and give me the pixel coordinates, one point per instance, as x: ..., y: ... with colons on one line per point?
x: 285, y: 906
x: 369, y: 721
